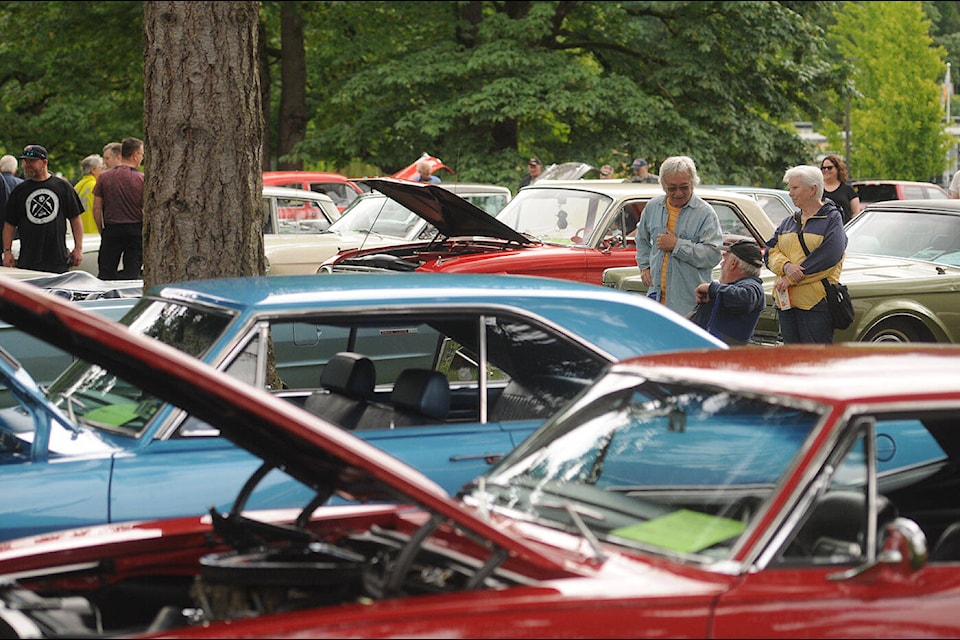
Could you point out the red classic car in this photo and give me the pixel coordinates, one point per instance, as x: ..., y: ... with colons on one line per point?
x: 573, y: 230
x: 717, y: 493
x: 436, y: 165
x: 340, y: 188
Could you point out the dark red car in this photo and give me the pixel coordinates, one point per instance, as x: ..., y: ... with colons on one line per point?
x: 870, y: 191
x: 340, y: 188
x: 573, y: 230
x: 718, y: 493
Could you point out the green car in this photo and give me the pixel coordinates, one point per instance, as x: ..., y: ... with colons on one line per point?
x: 902, y: 267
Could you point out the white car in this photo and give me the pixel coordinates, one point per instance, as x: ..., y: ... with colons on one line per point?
x: 289, y: 215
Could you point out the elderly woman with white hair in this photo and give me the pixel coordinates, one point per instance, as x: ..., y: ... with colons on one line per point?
x: 806, y: 248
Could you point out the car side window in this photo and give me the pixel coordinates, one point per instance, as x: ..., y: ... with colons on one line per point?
x: 730, y: 221
x: 833, y: 529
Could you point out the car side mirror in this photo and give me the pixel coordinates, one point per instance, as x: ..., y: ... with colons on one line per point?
x: 904, y: 545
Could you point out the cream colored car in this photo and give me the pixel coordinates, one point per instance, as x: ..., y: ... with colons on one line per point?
x: 289, y: 216
x: 372, y: 220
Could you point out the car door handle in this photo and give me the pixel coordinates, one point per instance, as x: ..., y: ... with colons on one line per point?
x: 489, y: 458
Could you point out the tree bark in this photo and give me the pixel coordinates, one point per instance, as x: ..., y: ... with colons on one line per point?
x: 293, y: 92
x: 203, y: 134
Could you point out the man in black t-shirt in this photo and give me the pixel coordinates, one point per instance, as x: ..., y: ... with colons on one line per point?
x: 40, y: 208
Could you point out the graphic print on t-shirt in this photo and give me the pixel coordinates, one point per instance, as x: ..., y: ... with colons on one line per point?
x: 42, y: 206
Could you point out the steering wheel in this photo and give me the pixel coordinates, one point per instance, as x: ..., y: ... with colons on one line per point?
x: 579, y: 235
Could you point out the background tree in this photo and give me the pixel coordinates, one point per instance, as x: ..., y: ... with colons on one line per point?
x: 897, y: 124
x: 70, y: 77
x: 482, y: 84
x: 204, y: 128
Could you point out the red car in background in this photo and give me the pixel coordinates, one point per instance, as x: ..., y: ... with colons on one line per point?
x: 436, y: 164
x: 871, y: 191
x: 341, y: 189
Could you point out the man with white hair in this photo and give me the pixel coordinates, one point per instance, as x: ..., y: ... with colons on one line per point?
x: 8, y: 169
x: 678, y: 238
x: 730, y: 308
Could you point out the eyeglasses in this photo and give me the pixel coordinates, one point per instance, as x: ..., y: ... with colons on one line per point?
x: 827, y: 167
x: 673, y: 188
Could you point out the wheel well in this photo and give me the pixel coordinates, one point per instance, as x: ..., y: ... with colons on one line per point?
x: 898, y: 328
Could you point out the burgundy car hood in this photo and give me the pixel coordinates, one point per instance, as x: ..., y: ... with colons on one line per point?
x: 306, y: 447
x: 449, y: 213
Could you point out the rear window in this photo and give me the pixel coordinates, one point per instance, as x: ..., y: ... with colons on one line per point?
x: 876, y: 192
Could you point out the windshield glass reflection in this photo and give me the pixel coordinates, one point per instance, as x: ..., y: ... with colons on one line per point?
x: 668, y: 467
x: 99, y: 399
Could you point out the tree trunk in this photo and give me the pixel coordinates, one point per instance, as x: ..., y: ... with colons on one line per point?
x: 203, y: 131
x: 263, y: 55
x: 293, y: 90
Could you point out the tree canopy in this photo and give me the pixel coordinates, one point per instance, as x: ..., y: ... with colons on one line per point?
x: 481, y: 84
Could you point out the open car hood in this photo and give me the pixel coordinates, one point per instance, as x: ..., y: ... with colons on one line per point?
x: 449, y: 213
x: 308, y: 448
x: 566, y: 171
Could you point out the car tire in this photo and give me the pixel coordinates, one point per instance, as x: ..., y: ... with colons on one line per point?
x: 897, y: 330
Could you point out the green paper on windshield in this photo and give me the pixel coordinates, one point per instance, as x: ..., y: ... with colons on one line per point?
x: 113, y: 414
x: 683, y: 530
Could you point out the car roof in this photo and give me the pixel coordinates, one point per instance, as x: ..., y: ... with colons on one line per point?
x: 881, y: 181
x: 326, y: 176
x: 848, y: 372
x: 924, y: 205
x: 571, y: 304
x: 349, y: 288
x: 290, y: 192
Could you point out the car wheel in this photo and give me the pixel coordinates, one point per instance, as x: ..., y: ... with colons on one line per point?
x: 897, y: 330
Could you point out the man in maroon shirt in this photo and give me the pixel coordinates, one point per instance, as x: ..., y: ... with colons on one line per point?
x: 118, y: 212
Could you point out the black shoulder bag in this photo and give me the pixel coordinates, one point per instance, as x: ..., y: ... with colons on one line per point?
x: 838, y: 297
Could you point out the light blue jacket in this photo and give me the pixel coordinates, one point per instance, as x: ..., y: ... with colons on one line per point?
x: 691, y: 261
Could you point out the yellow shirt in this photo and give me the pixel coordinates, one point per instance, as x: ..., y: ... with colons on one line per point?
x: 84, y: 188
x: 672, y: 214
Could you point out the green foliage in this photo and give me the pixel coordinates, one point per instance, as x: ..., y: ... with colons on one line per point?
x: 897, y: 122
x: 484, y: 85
x: 71, y: 77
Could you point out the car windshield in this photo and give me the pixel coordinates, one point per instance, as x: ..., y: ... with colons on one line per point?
x: 381, y: 216
x: 99, y: 399
x: 918, y: 235
x: 669, y: 468
x: 557, y: 216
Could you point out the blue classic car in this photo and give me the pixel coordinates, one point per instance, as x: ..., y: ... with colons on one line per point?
x: 446, y: 372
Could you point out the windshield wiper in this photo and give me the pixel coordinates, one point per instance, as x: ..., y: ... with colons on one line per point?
x: 575, y: 511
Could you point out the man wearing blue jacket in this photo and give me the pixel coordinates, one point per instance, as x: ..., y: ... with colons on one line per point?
x: 678, y: 238
x: 730, y: 309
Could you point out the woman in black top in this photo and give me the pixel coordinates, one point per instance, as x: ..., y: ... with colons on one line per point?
x: 836, y: 187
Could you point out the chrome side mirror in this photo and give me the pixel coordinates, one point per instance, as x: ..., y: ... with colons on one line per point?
x: 905, y: 545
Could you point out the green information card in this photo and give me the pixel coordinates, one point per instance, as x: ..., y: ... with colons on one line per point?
x: 114, y: 414
x: 683, y: 530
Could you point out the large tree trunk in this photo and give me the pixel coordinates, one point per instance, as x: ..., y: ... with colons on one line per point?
x: 263, y: 55
x: 293, y: 90
x: 203, y: 130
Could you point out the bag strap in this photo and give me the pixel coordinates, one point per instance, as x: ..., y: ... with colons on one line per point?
x: 806, y: 251
x: 803, y: 244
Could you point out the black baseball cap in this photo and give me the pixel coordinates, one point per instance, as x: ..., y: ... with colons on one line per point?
x: 33, y: 152
x: 748, y: 251
x: 535, y: 161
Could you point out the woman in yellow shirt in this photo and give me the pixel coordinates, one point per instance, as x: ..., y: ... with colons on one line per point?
x: 91, y: 166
